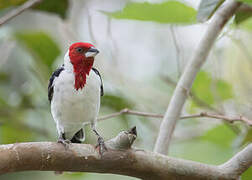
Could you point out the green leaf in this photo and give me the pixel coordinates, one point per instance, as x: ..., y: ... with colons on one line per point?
x: 224, y: 90
x: 191, y: 107
x: 246, y: 1
x: 10, y: 133
x: 245, y: 22
x: 221, y: 135
x: 52, y: 6
x: 248, y: 137
x: 247, y: 175
x: 3, y: 103
x: 41, y: 45
x: 202, y: 87
x: 166, y: 12
x: 115, y: 102
x: 201, y: 150
x: 6, y: 3
x: 4, y: 77
x: 242, y: 16
x: 207, y: 9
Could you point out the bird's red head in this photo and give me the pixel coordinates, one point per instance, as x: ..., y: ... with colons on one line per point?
x: 80, y: 51
x: 82, y: 58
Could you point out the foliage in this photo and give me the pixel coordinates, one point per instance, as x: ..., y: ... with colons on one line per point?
x: 6, y: 4
x: 209, y: 89
x: 58, y: 7
x: 202, y: 151
x: 244, y: 21
x: 116, y: 103
x: 247, y: 174
x: 221, y: 135
x: 248, y: 137
x: 179, y: 13
x: 242, y: 16
x: 246, y: 1
x: 9, y: 134
x: 41, y: 45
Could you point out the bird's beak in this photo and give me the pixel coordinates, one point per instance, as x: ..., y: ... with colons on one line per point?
x: 92, y: 52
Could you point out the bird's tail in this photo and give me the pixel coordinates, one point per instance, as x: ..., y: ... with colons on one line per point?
x: 78, y: 137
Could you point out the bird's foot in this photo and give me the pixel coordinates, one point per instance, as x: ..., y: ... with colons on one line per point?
x: 65, y: 142
x: 101, y: 145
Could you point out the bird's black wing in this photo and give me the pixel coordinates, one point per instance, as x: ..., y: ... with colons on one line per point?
x: 50, y: 85
x: 97, y: 72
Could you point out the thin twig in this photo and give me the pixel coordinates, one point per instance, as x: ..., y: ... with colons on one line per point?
x: 10, y: 15
x: 130, y: 112
x: 178, y: 54
x: 90, y: 28
x: 114, y: 49
x: 200, y: 115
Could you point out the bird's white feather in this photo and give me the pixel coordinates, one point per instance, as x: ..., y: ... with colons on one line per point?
x: 72, y: 109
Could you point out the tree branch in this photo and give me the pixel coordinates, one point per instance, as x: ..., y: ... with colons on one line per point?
x: 119, y: 159
x: 193, y: 66
x: 239, y: 163
x: 200, y: 115
x: 130, y: 112
x: 178, y: 54
x: 245, y: 8
x: 13, y: 13
x: 217, y: 116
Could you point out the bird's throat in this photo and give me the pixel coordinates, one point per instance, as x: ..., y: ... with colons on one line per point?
x: 81, y: 71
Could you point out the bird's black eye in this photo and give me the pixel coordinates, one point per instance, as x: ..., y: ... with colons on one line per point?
x: 79, y: 49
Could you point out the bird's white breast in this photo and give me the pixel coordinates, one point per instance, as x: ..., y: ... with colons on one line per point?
x: 71, y: 109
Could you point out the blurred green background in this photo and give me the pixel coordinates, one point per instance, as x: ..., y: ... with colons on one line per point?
x: 144, y: 47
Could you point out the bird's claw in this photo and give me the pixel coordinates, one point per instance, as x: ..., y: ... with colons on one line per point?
x: 64, y: 142
x: 101, y: 145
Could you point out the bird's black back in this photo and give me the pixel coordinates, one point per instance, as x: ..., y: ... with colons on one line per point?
x: 56, y: 73
x: 97, y: 72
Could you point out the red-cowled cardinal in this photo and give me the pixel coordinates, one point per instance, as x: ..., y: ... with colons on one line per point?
x: 74, y: 92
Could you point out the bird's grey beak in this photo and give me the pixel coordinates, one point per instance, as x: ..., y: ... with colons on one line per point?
x: 92, y: 52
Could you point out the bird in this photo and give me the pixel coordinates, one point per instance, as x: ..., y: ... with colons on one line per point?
x: 74, y: 93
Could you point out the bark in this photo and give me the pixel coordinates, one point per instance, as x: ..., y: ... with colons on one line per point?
x: 119, y: 159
